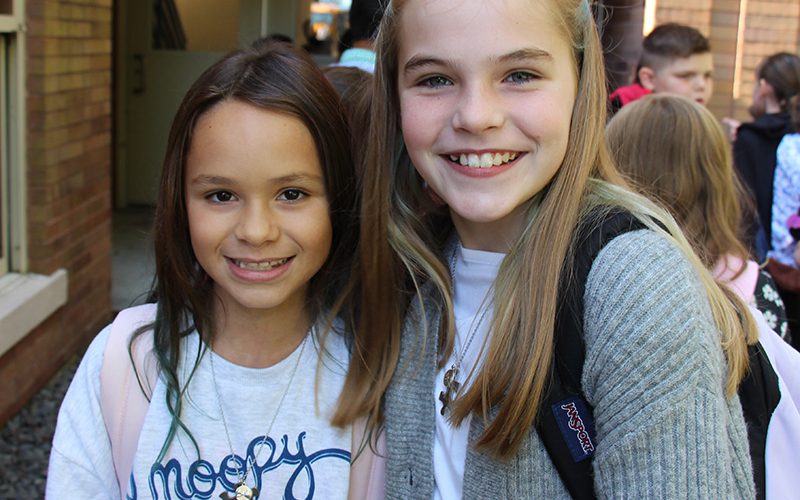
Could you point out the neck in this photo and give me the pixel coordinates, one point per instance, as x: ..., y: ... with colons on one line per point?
x: 259, y: 338
x: 496, y: 236
x: 772, y: 106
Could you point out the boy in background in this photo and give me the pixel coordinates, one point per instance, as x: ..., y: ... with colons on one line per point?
x: 676, y: 59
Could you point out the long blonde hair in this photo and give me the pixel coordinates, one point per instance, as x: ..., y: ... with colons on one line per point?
x: 402, y: 235
x: 675, y: 151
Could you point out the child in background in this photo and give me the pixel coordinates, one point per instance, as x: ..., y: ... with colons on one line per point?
x: 786, y: 196
x: 255, y: 230
x: 486, y: 156
x: 754, y: 150
x: 676, y: 152
x: 676, y: 59
x: 784, y: 258
x: 358, y: 42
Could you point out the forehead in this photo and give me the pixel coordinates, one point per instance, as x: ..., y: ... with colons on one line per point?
x: 695, y: 63
x: 478, y: 26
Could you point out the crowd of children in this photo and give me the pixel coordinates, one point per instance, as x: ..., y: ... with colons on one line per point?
x: 451, y: 278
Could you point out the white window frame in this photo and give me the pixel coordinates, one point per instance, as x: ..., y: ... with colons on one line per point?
x: 26, y: 299
x: 13, y: 162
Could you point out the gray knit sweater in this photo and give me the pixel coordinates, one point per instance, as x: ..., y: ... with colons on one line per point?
x: 654, y: 373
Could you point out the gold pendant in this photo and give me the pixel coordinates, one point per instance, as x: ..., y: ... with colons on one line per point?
x: 242, y: 492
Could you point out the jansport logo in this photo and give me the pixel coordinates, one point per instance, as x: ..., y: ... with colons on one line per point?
x: 575, y: 421
x: 577, y: 425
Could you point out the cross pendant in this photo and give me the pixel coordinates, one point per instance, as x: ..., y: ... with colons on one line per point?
x: 451, y: 388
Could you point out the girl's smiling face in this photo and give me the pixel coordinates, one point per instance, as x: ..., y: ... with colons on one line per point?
x: 258, y: 211
x: 486, y: 95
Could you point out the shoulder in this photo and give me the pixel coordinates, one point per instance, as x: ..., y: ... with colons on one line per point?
x: 752, y: 135
x: 93, y: 358
x: 638, y: 255
x: 136, y: 317
x: 790, y: 145
x: 333, y: 346
x: 114, y: 337
x: 643, y: 297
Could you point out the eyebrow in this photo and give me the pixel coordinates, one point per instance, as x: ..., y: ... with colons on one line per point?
x: 211, y: 180
x: 417, y: 62
x: 217, y: 180
x: 527, y: 54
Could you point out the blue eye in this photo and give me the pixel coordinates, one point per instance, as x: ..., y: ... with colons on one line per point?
x: 291, y: 195
x: 220, y: 196
x: 520, y: 77
x: 436, y: 82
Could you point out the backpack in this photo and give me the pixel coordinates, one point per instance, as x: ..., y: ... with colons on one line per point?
x: 565, y: 423
x: 125, y: 399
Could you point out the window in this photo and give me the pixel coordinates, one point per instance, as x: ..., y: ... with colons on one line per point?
x: 12, y: 123
x: 5, y: 189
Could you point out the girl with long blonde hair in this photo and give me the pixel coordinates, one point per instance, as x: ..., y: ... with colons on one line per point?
x: 486, y: 155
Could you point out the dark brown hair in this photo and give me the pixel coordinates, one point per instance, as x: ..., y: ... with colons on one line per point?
x: 782, y: 72
x: 670, y: 41
x: 354, y: 86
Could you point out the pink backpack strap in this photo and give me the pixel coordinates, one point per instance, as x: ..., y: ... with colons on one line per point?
x: 122, y: 401
x: 368, y: 470
x: 743, y: 285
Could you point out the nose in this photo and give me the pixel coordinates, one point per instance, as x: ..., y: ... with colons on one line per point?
x: 258, y: 224
x: 479, y: 109
x: 701, y: 82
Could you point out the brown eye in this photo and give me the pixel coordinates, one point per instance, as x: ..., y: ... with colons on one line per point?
x: 221, y: 196
x: 292, y: 195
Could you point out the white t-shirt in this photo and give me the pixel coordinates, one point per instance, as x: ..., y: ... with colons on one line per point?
x: 303, y: 457
x: 475, y: 273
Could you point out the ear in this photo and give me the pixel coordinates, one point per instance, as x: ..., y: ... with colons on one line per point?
x: 647, y: 78
x: 765, y: 89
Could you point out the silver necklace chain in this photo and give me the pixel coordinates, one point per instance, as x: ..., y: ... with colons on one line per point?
x: 451, y: 384
x: 242, y: 490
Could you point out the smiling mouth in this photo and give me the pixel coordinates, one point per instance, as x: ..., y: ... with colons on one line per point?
x: 483, y: 160
x: 263, y: 265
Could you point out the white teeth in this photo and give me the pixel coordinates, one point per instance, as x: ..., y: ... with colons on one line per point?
x: 260, y: 266
x: 484, y: 160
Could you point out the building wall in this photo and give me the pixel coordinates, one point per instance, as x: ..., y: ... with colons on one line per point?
x: 69, y: 183
x: 769, y: 26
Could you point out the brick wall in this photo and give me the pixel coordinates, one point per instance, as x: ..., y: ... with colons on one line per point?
x: 770, y: 26
x: 69, y: 151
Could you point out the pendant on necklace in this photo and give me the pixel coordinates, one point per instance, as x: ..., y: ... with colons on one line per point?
x: 451, y: 388
x: 241, y: 492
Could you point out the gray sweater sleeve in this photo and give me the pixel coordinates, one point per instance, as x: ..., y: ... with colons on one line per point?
x: 655, y: 374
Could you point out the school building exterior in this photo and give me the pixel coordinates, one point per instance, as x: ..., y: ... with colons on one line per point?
x: 60, y: 142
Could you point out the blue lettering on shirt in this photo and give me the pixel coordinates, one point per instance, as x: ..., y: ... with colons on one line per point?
x: 167, y: 480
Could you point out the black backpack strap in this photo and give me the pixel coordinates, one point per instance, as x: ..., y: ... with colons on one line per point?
x: 760, y: 395
x: 565, y: 422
